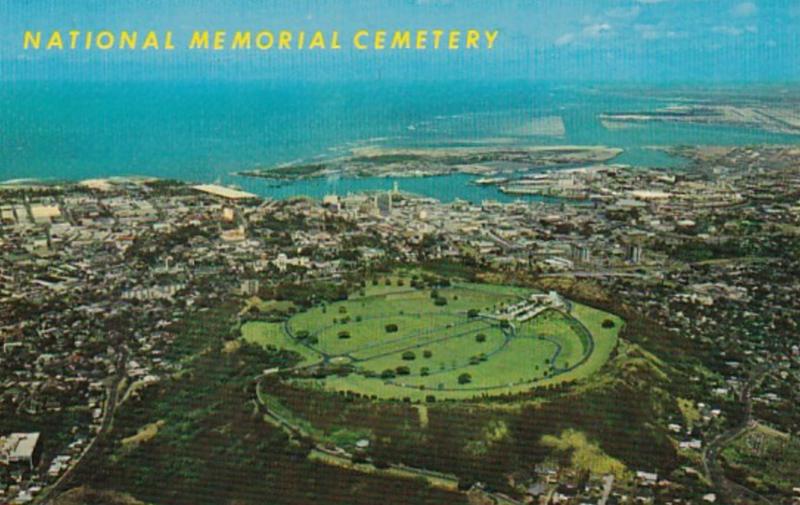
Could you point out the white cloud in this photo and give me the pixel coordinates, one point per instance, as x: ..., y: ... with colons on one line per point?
x: 656, y: 32
x: 728, y: 30
x: 734, y: 31
x: 744, y: 10
x: 566, y: 39
x: 624, y: 13
x: 590, y: 31
x: 596, y: 30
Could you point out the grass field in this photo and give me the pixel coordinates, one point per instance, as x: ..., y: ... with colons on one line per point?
x: 414, y: 343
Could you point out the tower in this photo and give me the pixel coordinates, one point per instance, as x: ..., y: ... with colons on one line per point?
x: 634, y: 254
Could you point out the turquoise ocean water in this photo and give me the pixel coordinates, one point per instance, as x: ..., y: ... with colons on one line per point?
x: 206, y: 131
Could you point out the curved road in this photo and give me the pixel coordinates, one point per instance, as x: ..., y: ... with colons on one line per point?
x: 339, y: 452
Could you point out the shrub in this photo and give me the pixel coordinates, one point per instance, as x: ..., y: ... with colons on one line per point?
x: 402, y: 370
x: 427, y: 353
x: 391, y: 328
x: 424, y: 371
x: 302, y: 334
x: 472, y: 313
x: 344, y: 334
x: 480, y: 337
x: 608, y: 323
x: 430, y: 399
x: 342, y: 310
x: 440, y: 301
x: 409, y: 356
x: 464, y: 378
x: 388, y: 374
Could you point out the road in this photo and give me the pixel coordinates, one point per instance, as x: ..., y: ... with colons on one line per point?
x: 730, y: 492
x: 432, y: 477
x: 596, y: 274
x: 61, y: 485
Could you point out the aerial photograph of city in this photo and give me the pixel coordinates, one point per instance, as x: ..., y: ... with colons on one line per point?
x: 374, y: 252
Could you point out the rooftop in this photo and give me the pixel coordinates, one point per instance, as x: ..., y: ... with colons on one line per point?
x: 18, y: 446
x: 229, y: 193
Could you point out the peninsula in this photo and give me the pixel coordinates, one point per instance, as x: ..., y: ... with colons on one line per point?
x: 491, y: 161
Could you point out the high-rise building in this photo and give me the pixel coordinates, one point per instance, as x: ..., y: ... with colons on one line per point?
x: 634, y: 254
x: 581, y: 254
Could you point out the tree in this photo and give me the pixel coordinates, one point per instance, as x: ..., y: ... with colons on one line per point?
x: 409, y: 356
x: 480, y: 337
x: 344, y: 334
x: 427, y: 353
x: 464, y: 378
x: 608, y: 323
x: 387, y: 374
x: 391, y: 328
x: 440, y: 301
x: 472, y: 313
x: 424, y: 371
x: 402, y: 370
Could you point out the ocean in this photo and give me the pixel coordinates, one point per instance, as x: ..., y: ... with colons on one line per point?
x: 207, y: 131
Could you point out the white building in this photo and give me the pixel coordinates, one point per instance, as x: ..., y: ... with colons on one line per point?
x: 19, y: 448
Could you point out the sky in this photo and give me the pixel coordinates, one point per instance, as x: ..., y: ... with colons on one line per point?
x: 648, y: 41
